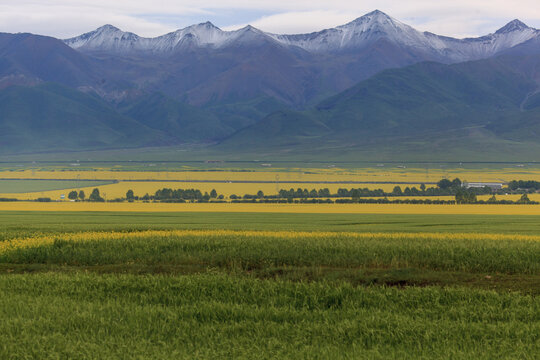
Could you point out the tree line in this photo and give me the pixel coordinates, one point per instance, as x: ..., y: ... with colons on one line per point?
x: 444, y: 187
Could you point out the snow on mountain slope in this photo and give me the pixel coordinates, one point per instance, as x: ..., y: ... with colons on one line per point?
x: 514, y: 33
x: 201, y: 35
x: 353, y: 36
x: 357, y: 34
x: 109, y: 38
x: 377, y: 25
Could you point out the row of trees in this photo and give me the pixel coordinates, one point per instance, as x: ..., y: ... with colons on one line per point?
x: 523, y: 185
x: 94, y: 196
x: 445, y: 187
x: 186, y: 195
x: 469, y: 197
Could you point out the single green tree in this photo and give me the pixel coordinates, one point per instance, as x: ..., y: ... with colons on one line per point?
x: 73, y: 195
x: 444, y: 184
x: 130, y: 195
x: 213, y: 194
x: 456, y: 183
x: 260, y: 194
x: 471, y: 197
x: 82, y: 195
x: 95, y: 196
x: 465, y: 197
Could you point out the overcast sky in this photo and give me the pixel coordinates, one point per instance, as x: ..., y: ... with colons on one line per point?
x: 67, y: 18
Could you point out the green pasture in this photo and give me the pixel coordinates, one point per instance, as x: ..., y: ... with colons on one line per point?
x: 24, y: 223
x: 85, y: 316
x: 222, y: 296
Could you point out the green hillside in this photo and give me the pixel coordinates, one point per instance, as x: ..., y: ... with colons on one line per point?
x: 182, y: 121
x: 455, y: 111
x: 53, y: 118
x: 188, y: 123
x: 484, y: 110
x: 50, y: 117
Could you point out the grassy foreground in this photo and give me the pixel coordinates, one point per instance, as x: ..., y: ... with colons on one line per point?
x: 211, y: 316
x: 179, y: 285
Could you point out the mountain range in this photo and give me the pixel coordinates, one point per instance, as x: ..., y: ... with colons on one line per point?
x: 354, y: 36
x: 354, y: 86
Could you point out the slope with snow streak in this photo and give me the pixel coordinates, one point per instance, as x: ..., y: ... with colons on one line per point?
x: 111, y: 39
x: 357, y: 34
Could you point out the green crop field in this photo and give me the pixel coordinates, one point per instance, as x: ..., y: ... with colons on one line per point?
x: 160, y: 286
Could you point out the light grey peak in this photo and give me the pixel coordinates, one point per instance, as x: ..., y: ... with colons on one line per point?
x: 377, y: 12
x: 250, y: 35
x: 107, y: 28
x: 206, y: 26
x: 374, y: 15
x: 105, y: 38
x: 250, y: 28
x: 514, y: 25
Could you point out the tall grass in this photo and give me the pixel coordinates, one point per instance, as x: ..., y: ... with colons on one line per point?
x: 246, y: 250
x: 50, y: 316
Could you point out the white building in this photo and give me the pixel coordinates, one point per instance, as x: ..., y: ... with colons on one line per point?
x: 495, y: 186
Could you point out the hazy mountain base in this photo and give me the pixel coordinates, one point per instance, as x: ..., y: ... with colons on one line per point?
x: 474, y: 147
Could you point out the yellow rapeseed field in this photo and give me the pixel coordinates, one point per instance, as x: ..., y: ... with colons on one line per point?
x: 277, y: 208
x: 162, y: 179
x: 118, y: 190
x: 45, y: 240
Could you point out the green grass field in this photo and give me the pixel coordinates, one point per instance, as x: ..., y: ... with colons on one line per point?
x: 212, y: 286
x: 87, y: 316
x: 17, y: 224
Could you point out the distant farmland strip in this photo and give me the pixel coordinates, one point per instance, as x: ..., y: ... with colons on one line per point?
x: 229, y: 181
x: 13, y: 186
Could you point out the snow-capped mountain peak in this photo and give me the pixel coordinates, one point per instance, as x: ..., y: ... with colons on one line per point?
x: 202, y: 35
x: 110, y: 38
x: 512, y: 26
x: 376, y: 20
x: 105, y: 38
x: 108, y: 28
x: 376, y: 16
x: 357, y: 34
x: 354, y: 36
